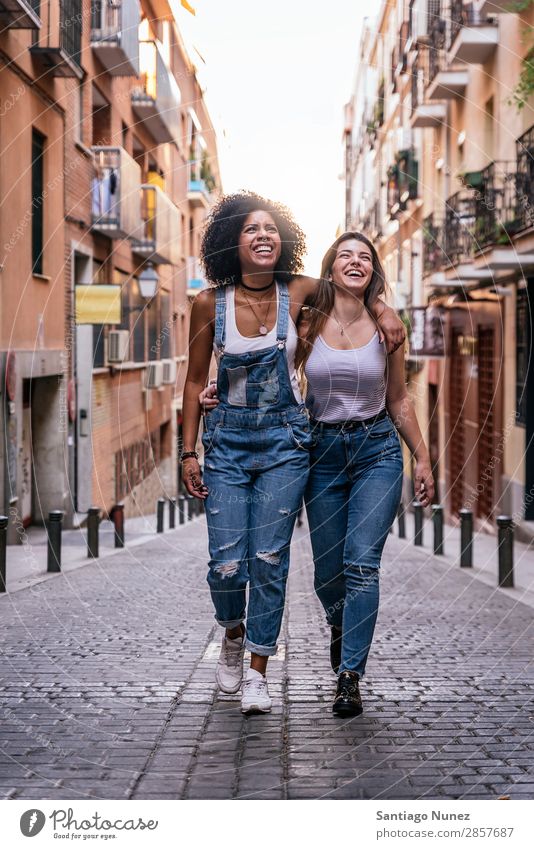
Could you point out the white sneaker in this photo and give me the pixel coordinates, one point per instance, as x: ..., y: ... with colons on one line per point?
x: 229, y: 672
x: 255, y: 697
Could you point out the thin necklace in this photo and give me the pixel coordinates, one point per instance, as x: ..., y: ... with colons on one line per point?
x: 343, y: 327
x: 256, y: 288
x: 262, y: 329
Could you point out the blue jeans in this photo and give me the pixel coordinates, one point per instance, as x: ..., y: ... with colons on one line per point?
x: 352, y: 497
x: 256, y: 466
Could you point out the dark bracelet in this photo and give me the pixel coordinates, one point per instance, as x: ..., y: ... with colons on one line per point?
x: 185, y: 455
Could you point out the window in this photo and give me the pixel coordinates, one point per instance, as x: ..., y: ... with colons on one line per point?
x: 71, y: 28
x: 522, y: 355
x: 38, y: 142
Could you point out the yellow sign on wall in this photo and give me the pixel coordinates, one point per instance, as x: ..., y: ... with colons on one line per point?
x: 98, y: 304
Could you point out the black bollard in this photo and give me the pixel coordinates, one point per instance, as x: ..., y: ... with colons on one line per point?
x: 437, y: 518
x: 53, y: 532
x: 172, y: 512
x: 401, y: 516
x: 466, y: 538
x: 3, y: 543
x: 181, y: 509
x: 93, y: 524
x: 117, y: 517
x: 418, y: 520
x: 190, y: 507
x: 160, y: 515
x: 505, y: 525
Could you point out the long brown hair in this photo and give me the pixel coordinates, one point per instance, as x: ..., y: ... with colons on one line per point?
x: 322, y: 302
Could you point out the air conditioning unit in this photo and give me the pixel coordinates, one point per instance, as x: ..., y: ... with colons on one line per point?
x: 154, y: 375
x: 169, y: 371
x: 118, y: 345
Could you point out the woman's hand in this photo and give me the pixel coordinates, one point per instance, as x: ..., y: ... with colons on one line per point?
x: 391, y: 329
x: 423, y: 482
x: 208, y: 398
x: 192, y: 478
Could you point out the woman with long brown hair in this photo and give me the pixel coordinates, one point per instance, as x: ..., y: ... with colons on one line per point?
x: 357, y: 400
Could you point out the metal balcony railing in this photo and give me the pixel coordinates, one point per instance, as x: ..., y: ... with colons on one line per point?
x: 497, y: 204
x: 525, y: 178
x: 462, y: 15
x: 157, y: 101
x: 71, y: 28
x: 460, y: 218
x: 436, y: 47
x: 434, y: 258
x: 402, y: 181
x: 114, y: 35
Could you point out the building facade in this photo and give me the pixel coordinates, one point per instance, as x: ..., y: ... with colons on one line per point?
x: 108, y: 165
x: 442, y: 178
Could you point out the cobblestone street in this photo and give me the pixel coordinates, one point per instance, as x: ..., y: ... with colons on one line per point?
x: 107, y: 687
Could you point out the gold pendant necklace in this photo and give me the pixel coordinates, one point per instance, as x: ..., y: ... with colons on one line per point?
x: 347, y: 323
x: 262, y: 329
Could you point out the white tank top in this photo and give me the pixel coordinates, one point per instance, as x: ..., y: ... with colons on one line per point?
x: 235, y: 343
x: 346, y: 385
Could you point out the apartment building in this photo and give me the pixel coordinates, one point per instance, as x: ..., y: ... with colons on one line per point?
x: 108, y: 165
x: 441, y: 176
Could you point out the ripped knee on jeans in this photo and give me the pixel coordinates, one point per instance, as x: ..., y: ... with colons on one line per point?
x: 364, y: 575
x: 227, y: 568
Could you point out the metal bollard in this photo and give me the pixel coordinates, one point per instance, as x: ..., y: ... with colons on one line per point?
x: 505, y: 525
x: 437, y: 518
x: 466, y: 538
x: 93, y: 525
x: 418, y: 520
x: 53, y: 532
x: 190, y: 507
x: 3, y: 543
x: 181, y: 509
x: 117, y: 516
x: 172, y: 512
x: 401, y: 516
x: 160, y: 515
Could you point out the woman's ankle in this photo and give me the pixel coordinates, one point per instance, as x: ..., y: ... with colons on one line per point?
x: 234, y: 633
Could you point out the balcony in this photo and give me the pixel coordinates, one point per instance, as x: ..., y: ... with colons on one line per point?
x: 20, y: 14
x: 403, y: 182
x: 434, y: 256
x: 460, y: 218
x: 61, y: 57
x: 195, y: 277
x: 448, y: 85
x: 473, y: 39
x: 115, y: 193
x: 157, y: 102
x: 197, y: 193
x: 424, y: 114
x: 158, y: 240
x: 114, y: 35
x: 525, y: 178
x: 436, y: 46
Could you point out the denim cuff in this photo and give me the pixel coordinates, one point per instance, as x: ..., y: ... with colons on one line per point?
x: 264, y: 651
x: 231, y: 623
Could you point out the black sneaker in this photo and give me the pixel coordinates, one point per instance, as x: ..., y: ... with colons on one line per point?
x: 348, y: 701
x: 335, y: 647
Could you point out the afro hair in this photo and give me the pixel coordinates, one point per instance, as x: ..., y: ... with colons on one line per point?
x: 219, y: 251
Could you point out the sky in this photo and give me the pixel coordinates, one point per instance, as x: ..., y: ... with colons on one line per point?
x: 277, y: 75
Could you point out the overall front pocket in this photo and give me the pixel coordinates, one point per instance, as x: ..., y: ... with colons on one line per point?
x: 253, y: 386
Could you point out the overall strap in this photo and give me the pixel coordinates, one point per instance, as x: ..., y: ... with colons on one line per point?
x: 283, y: 312
x: 220, y: 317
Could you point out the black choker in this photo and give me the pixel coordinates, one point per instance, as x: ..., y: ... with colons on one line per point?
x: 257, y: 288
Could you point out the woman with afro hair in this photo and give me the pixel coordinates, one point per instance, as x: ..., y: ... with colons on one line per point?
x: 257, y: 440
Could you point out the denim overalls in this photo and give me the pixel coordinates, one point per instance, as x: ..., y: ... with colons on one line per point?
x: 256, y: 445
